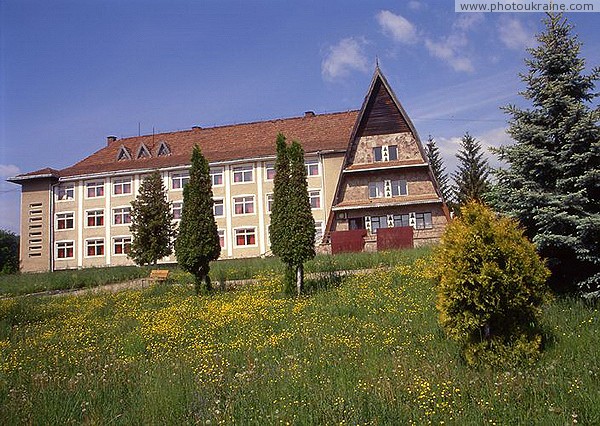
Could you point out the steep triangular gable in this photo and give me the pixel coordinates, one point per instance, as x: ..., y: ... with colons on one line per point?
x: 143, y: 152
x: 381, y: 114
x: 123, y: 154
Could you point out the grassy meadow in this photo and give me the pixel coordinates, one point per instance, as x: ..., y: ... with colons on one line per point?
x: 365, y: 351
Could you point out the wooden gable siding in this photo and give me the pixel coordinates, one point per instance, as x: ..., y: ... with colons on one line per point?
x: 382, y: 115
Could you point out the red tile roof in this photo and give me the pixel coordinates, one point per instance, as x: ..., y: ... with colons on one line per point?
x: 225, y: 143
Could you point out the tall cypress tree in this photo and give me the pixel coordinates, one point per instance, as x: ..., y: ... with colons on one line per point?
x: 471, y: 179
x: 292, y: 229
x: 552, y: 183
x: 151, y: 226
x: 437, y: 167
x: 198, y: 240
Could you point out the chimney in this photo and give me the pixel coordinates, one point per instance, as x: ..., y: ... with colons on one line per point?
x: 308, y: 114
x: 196, y: 128
x: 110, y: 139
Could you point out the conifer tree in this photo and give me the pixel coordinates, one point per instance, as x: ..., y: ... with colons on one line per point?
x: 292, y: 229
x: 437, y: 167
x: 151, y: 226
x: 471, y: 177
x: 552, y: 182
x: 9, y: 252
x: 198, y: 240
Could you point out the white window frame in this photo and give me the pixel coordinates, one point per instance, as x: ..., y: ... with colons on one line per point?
x: 224, y: 234
x: 179, y: 207
x: 269, y: 198
x: 423, y: 214
x: 243, y: 203
x: 398, y: 185
x: 390, y: 148
x: 242, y: 170
x: 65, y: 189
x: 379, y: 189
x: 319, y: 231
x: 222, y: 202
x: 399, y: 218
x: 182, y: 177
x: 62, y: 242
x: 58, y: 219
x: 268, y: 167
x: 122, y: 214
x: 95, y: 185
x: 122, y: 183
x: 87, y: 213
x: 123, y: 241
x: 215, y: 171
x: 311, y: 196
x: 96, y: 240
x: 309, y: 164
x: 245, y: 228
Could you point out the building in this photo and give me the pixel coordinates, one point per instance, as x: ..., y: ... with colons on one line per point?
x: 367, y: 172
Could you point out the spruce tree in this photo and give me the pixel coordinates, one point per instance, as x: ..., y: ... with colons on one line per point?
x: 9, y: 252
x: 552, y: 182
x: 151, y: 226
x: 292, y: 229
x: 437, y: 167
x: 198, y: 240
x: 471, y: 177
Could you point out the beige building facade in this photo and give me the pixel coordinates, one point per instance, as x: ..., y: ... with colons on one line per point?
x: 366, y: 169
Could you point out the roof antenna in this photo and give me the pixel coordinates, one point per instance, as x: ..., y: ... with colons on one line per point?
x: 139, y: 128
x: 376, y: 61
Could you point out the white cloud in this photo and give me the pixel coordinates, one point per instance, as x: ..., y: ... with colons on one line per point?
x: 513, y: 34
x: 415, y: 5
x: 8, y: 170
x: 467, y: 21
x: 448, y: 49
x: 397, y: 27
x: 344, y: 57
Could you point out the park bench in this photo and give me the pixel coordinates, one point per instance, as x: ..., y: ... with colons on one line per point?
x: 157, y: 276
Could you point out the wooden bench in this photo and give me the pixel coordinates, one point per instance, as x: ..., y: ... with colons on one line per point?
x: 157, y: 276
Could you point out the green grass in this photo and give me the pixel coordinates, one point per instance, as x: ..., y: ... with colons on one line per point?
x: 367, y: 351
x: 27, y: 283
x: 223, y: 270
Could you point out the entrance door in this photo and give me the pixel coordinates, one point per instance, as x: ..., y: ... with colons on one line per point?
x: 356, y: 223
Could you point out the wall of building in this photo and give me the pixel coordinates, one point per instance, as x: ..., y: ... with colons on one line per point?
x: 406, y: 142
x: 36, y: 244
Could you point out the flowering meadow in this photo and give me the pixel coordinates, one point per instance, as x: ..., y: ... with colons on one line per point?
x: 365, y: 351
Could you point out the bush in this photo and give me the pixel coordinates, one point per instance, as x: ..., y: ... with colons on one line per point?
x: 492, y: 284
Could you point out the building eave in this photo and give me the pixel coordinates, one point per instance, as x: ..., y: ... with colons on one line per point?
x: 380, y: 168
x: 392, y: 204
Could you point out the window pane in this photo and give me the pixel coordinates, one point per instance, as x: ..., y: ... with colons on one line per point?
x: 393, y: 152
x: 377, y: 154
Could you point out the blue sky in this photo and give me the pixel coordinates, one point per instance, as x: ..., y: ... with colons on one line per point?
x: 74, y: 72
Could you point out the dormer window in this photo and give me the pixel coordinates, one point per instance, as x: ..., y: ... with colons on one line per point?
x: 123, y: 154
x: 163, y: 150
x: 143, y: 152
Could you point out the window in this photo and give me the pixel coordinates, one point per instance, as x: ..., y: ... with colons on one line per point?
x: 399, y: 187
x: 95, y: 247
x: 65, y: 221
x: 122, y: 186
x: 312, y: 167
x: 385, y: 153
x: 221, y: 237
x: 121, y: 215
x: 245, y: 237
x: 376, y: 189
x: 219, y: 207
x: 216, y: 176
x: 378, y: 222
x: 269, y: 202
x: 243, y: 205
x: 318, y: 232
x: 315, y: 199
x: 163, y: 150
x: 94, y: 189
x: 123, y: 154
x: 143, y: 152
x: 64, y: 249
x: 65, y: 192
x: 121, y: 245
x: 269, y: 171
x: 243, y: 174
x: 401, y: 220
x: 177, y: 206
x: 423, y: 221
x: 95, y: 218
x: 179, y: 180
